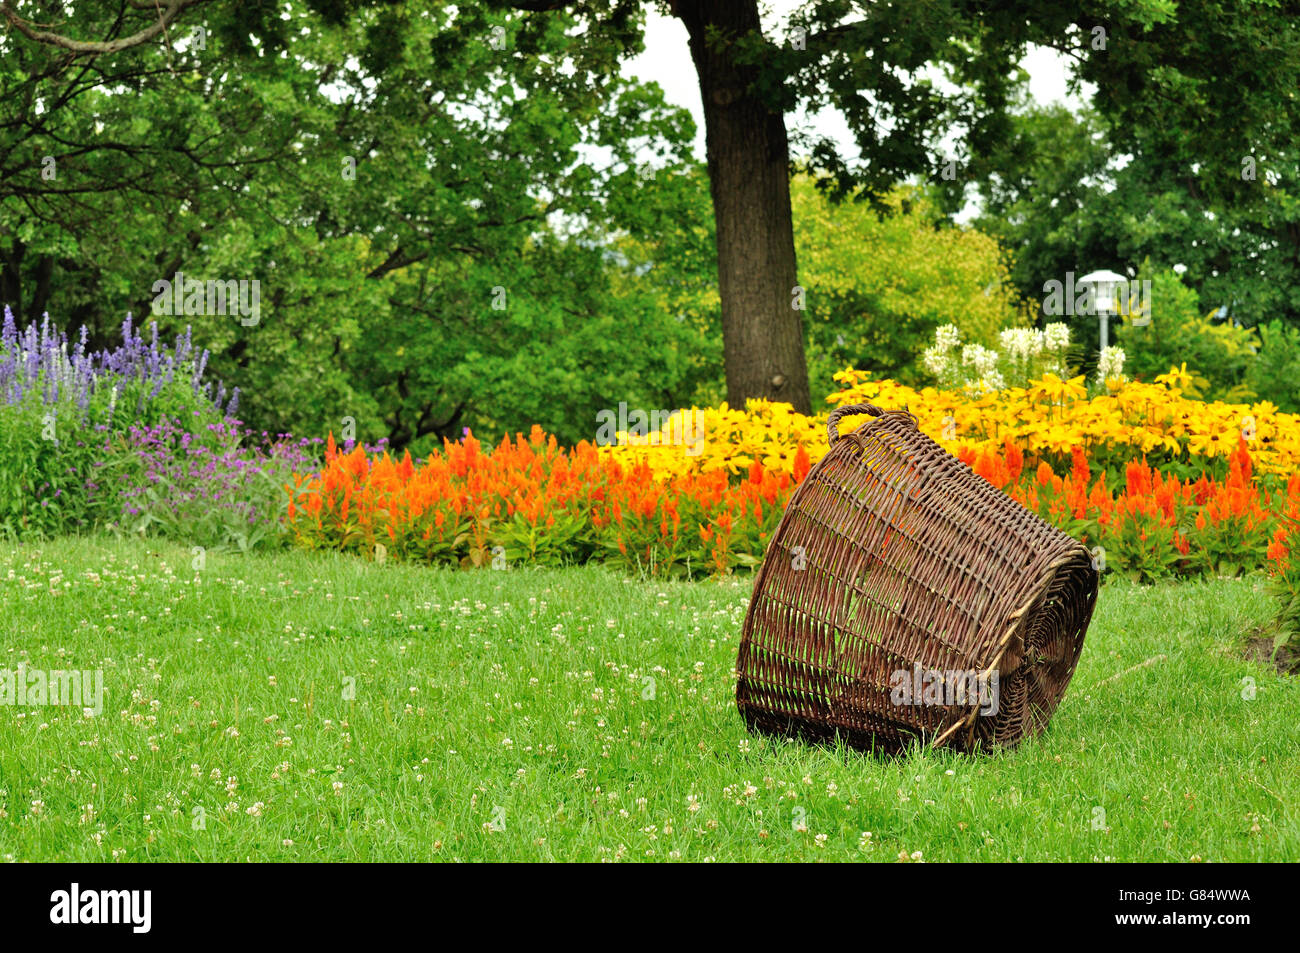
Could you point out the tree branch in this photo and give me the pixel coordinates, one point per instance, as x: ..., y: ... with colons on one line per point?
x: 95, y: 47
x: 538, y: 6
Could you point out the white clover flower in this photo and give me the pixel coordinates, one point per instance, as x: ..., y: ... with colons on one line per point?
x: 1056, y: 336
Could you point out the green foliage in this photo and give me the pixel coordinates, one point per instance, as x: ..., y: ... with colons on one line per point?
x: 476, y: 164
x: 220, y: 489
x: 1284, y: 587
x: 57, y: 466
x: 47, y: 470
x: 879, y: 284
x: 1219, y: 354
x: 1080, y: 191
x: 665, y: 245
x: 380, y: 201
x: 1275, y: 375
x: 60, y: 468
x: 1042, y: 198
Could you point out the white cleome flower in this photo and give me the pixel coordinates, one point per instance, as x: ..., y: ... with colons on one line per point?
x: 935, y: 360
x: 947, y: 337
x: 1110, y: 365
x: 981, y: 358
x: 988, y: 383
x: 1056, y: 336
x: 1020, y: 343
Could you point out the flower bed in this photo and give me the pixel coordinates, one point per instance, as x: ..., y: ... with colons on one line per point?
x: 1153, y: 525
x: 1046, y: 420
x: 530, y: 501
x: 131, y: 440
x: 212, y: 485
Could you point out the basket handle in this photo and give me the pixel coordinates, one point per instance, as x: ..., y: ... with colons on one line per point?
x: 848, y: 410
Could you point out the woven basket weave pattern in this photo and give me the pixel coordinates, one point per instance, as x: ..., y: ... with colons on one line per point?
x: 894, y: 557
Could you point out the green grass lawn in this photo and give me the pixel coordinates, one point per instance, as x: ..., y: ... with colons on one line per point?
x: 300, y: 707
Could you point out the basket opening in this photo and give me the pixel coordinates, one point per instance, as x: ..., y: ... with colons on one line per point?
x: 1035, y: 671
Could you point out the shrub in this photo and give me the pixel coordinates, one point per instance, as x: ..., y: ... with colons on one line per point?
x: 1275, y: 375
x: 1221, y: 353
x: 59, y: 403
x: 879, y: 282
x: 222, y: 488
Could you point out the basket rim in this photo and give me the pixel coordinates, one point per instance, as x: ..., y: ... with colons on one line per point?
x: 1017, y: 622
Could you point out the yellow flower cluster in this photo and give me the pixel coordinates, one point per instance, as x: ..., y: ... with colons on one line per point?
x: 1054, y: 416
x: 702, y: 440
x: 1050, y: 416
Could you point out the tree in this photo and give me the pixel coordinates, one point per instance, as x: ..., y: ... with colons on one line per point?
x: 748, y: 162
x: 1066, y: 195
x: 1176, y: 76
x: 386, y: 201
x: 1199, y: 87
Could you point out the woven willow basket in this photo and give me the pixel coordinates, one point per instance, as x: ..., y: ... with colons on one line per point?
x: 903, y: 596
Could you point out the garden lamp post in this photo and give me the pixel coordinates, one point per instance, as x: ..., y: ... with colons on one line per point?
x: 1104, y: 285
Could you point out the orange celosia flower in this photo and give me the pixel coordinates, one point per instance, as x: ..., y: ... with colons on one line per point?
x: 1277, y: 549
x: 802, y: 465
x: 1079, y: 471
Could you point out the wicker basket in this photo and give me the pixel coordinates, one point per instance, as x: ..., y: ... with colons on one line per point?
x: 903, y: 596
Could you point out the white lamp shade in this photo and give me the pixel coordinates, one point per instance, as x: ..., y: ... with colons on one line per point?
x: 1103, y: 285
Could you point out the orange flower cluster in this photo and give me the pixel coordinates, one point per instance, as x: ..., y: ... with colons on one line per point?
x: 530, y: 501
x: 1154, y: 524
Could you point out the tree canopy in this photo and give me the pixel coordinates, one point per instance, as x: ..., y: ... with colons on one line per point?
x: 462, y: 215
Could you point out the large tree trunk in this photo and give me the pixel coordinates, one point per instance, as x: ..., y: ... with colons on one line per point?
x: 749, y: 176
